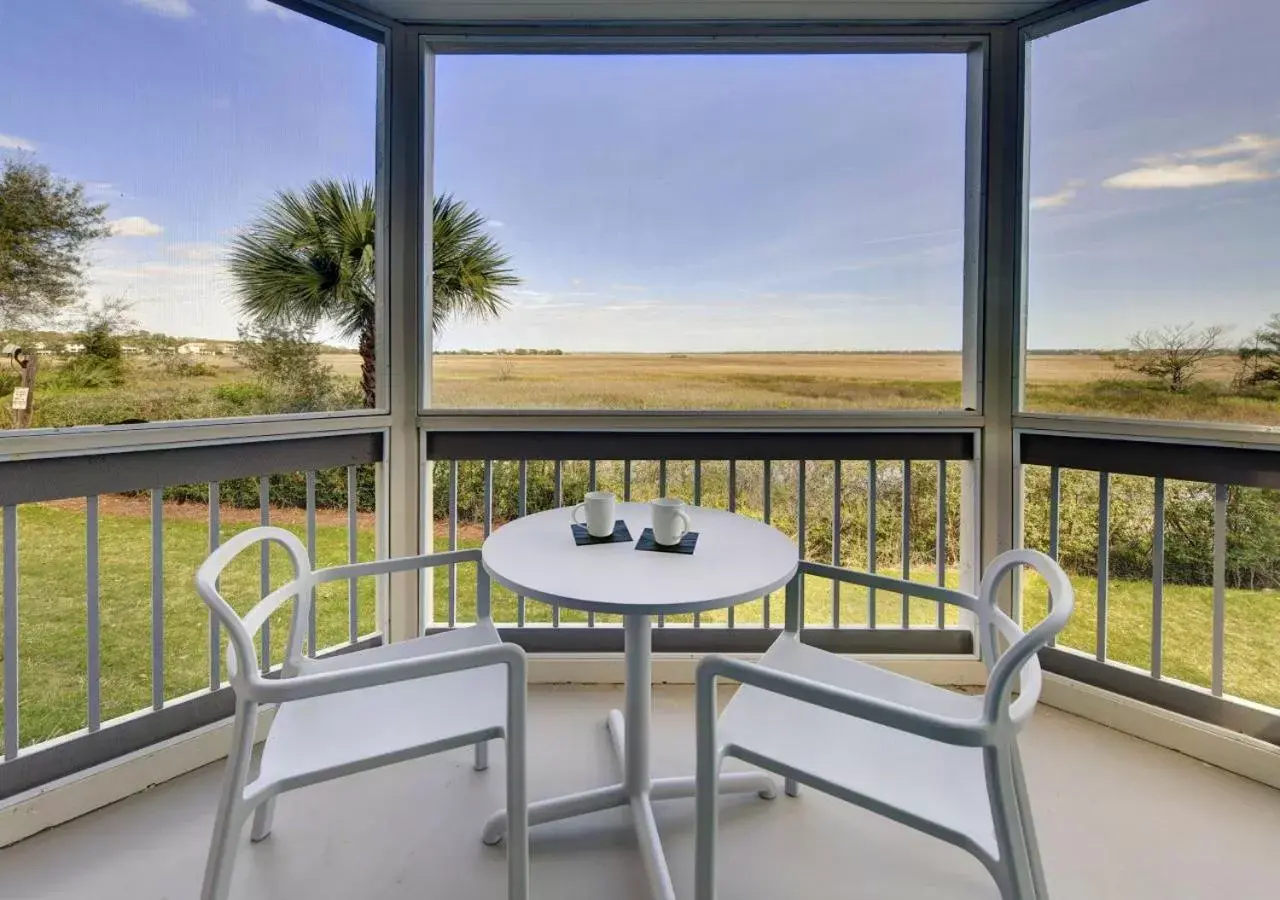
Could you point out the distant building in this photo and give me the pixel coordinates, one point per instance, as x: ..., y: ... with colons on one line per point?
x: 73, y: 349
x: 41, y: 347
x: 128, y: 348
x: 193, y: 349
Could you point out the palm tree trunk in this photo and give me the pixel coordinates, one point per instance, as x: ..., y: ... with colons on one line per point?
x: 368, y: 369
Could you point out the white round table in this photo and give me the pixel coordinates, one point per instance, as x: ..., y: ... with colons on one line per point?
x: 736, y: 559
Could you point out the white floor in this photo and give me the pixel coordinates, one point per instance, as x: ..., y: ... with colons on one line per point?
x: 1118, y: 818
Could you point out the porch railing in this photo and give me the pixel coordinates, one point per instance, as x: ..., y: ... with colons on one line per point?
x: 889, y: 502
x: 164, y: 485
x: 1145, y: 527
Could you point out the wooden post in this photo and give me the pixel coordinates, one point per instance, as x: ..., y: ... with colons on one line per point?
x: 24, y: 395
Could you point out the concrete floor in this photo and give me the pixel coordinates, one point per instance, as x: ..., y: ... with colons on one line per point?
x: 1118, y: 818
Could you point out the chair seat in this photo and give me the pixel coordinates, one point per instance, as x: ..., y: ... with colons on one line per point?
x: 387, y: 721
x: 906, y: 777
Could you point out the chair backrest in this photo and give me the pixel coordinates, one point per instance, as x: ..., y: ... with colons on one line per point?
x: 241, y: 661
x: 1019, y: 657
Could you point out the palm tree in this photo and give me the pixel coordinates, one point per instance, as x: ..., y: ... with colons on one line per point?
x: 309, y: 258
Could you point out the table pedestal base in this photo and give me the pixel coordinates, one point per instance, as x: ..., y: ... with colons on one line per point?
x: 637, y: 790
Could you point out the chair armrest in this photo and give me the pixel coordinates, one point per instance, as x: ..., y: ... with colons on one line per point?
x: 399, y: 564
x: 963, y: 732
x: 1020, y: 657
x: 891, y: 584
x: 301, y: 687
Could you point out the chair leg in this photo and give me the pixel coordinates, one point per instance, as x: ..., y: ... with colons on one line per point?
x: 1018, y: 883
x: 482, y: 756
x: 263, y: 816
x: 791, y: 787
x: 517, y: 805
x: 707, y: 801
x: 1028, y: 829
x: 222, y: 855
x: 231, y: 807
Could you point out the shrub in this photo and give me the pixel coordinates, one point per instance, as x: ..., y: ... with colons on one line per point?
x: 286, y: 361
x: 1253, y: 541
x: 181, y: 367
x: 87, y: 372
x: 243, y: 397
x: 286, y: 490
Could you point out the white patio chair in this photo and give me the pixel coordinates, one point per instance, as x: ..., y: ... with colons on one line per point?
x: 356, y: 711
x: 942, y: 762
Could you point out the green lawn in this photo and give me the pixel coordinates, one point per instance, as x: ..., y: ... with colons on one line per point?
x: 52, y: 632
x: 1251, y: 660
x: 52, y: 629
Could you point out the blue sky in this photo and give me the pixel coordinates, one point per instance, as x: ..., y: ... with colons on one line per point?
x: 684, y: 203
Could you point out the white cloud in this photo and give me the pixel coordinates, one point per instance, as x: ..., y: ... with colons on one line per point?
x: 1243, y: 159
x: 266, y: 6
x: 134, y: 226
x: 911, y: 236
x: 1060, y: 199
x: 196, y: 251
x: 1239, y: 145
x: 181, y: 288
x: 173, y: 9
x: 494, y: 223
x: 1190, y: 175
x: 12, y: 142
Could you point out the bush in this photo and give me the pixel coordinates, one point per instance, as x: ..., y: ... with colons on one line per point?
x: 87, y: 372
x: 286, y: 490
x: 1253, y: 540
x: 245, y: 397
x: 181, y: 367
x: 286, y: 361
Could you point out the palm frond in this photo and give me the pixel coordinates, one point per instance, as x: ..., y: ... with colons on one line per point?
x: 309, y: 257
x: 468, y: 268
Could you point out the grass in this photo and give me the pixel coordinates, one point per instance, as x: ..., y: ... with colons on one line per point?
x: 52, y: 630
x: 1128, y: 398
x: 1251, y: 660
x: 1074, y: 383
x: 52, y: 625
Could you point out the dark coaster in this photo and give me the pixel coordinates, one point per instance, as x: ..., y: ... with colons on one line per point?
x: 685, y: 547
x: 582, y: 537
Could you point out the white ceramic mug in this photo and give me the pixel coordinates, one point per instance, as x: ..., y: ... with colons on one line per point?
x: 670, y: 521
x: 600, y: 507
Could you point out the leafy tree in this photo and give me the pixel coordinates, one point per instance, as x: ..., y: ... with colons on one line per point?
x: 1259, y: 355
x: 46, y: 225
x: 1172, y: 353
x: 309, y: 258
x: 101, y: 362
x: 286, y: 361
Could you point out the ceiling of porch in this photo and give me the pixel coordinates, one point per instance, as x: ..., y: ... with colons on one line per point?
x: 898, y: 11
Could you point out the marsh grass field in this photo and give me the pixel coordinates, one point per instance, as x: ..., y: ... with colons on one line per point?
x: 1084, y: 383
x: 1076, y: 383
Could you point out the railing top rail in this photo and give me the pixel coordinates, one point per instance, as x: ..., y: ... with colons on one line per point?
x: 724, y: 444
x: 1215, y: 464
x: 56, y: 478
